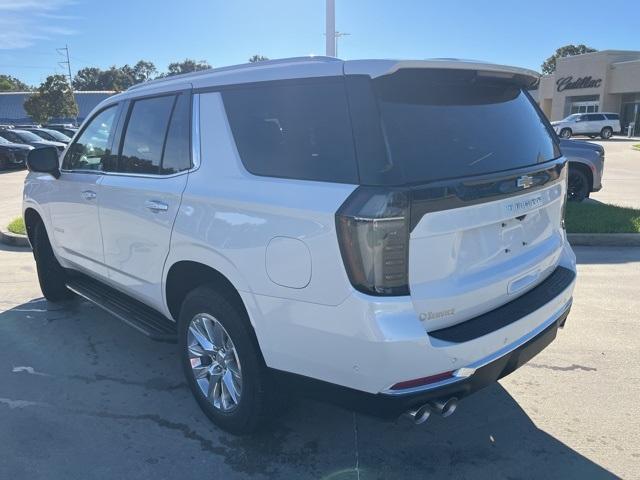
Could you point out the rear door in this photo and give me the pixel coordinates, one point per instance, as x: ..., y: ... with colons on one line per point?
x: 596, y: 122
x: 485, y: 177
x: 141, y: 192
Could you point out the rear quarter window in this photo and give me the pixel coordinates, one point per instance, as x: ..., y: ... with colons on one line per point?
x: 299, y: 130
x: 612, y: 116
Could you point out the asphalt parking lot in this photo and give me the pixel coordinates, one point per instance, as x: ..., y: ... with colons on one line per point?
x: 84, y: 396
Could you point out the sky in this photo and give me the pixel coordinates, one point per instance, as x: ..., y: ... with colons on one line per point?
x: 226, y: 32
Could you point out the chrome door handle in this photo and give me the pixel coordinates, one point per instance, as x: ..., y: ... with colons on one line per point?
x: 89, y: 195
x: 156, y: 206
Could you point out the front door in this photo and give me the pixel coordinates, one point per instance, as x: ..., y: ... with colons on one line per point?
x: 140, y: 195
x: 74, y: 203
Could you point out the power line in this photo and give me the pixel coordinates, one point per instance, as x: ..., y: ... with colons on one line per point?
x: 67, y: 62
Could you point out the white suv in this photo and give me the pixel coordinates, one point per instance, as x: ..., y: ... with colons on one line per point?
x: 359, y: 228
x: 592, y: 125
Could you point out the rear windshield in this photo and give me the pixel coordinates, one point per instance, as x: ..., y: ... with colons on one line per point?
x: 440, y: 124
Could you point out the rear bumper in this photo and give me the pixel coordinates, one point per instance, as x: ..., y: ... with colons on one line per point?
x: 369, y: 344
x: 479, y: 375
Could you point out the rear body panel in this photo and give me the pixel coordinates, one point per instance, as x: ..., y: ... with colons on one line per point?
x: 466, y: 261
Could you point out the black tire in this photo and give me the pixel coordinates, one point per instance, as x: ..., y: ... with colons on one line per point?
x: 606, y: 133
x: 258, y: 392
x: 578, y: 185
x: 565, y: 133
x: 4, y: 164
x: 51, y: 275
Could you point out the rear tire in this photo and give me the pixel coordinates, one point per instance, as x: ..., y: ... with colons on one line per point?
x: 578, y: 186
x: 606, y: 133
x: 245, y: 401
x: 51, y: 276
x: 565, y: 133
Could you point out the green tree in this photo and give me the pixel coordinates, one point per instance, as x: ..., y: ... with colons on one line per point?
x: 88, y: 79
x: 186, y: 66
x: 141, y: 71
x: 53, y: 99
x: 12, y: 84
x: 549, y: 65
x: 114, y: 78
x: 258, y: 58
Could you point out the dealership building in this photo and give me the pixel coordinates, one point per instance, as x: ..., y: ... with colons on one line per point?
x: 605, y: 81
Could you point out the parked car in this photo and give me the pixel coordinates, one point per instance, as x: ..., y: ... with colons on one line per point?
x: 12, y: 154
x: 589, y: 124
x: 586, y: 165
x: 67, y: 128
x: 261, y: 218
x: 28, y: 138
x: 50, y: 134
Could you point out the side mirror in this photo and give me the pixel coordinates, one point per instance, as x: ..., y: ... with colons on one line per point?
x: 44, y: 160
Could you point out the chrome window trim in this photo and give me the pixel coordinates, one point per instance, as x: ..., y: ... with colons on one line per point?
x: 195, y: 131
x: 463, y: 373
x: 195, y: 150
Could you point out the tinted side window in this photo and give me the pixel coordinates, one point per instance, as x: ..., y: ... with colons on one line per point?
x: 145, y: 134
x: 294, y: 130
x: 177, y: 156
x: 595, y: 117
x: 612, y: 116
x: 92, y: 146
x: 12, y: 137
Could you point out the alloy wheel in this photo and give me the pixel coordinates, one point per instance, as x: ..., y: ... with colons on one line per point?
x: 214, y: 362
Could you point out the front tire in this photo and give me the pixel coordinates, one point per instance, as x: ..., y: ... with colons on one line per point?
x: 578, y: 186
x: 606, y: 133
x: 222, y: 362
x: 565, y: 133
x: 51, y: 276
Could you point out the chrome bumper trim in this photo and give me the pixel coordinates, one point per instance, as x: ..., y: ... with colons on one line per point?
x: 465, y: 372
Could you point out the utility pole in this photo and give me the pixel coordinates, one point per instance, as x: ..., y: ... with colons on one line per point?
x: 330, y: 31
x: 67, y: 62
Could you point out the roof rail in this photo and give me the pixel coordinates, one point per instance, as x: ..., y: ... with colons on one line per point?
x: 240, y: 66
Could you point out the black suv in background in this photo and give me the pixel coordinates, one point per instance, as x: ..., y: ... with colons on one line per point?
x: 13, y: 154
x: 28, y: 138
x: 50, y: 134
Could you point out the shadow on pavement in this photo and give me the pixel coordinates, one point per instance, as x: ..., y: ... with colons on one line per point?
x: 84, y: 396
x: 606, y: 255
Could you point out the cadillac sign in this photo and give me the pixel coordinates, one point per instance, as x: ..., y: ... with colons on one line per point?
x: 568, y: 83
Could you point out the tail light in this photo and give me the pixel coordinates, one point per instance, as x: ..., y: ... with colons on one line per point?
x: 564, y: 179
x: 373, y: 232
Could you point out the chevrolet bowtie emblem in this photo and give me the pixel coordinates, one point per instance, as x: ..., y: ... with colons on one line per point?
x: 525, y: 181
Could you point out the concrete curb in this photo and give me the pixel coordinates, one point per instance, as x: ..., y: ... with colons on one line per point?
x: 14, y: 239
x: 604, y: 239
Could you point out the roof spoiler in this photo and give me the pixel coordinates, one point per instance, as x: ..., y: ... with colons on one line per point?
x: 378, y: 68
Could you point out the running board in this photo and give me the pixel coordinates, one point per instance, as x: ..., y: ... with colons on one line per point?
x: 132, y: 312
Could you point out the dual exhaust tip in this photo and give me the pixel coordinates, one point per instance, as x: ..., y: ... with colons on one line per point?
x: 444, y: 408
